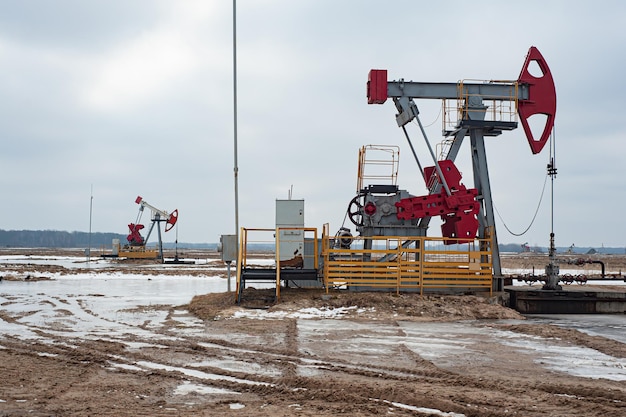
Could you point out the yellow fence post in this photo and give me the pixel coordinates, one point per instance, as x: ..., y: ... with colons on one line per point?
x: 277, y: 243
x: 240, y: 261
x: 399, y: 264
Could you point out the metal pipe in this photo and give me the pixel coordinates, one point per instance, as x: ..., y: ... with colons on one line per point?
x: 406, y: 135
x: 432, y: 154
x: 601, y: 265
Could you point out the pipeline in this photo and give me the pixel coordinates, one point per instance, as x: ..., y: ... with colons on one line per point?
x: 581, y: 261
x: 569, y: 278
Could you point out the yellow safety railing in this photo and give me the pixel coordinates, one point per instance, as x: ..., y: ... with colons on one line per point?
x: 255, y: 240
x: 502, y: 109
x: 379, y: 163
x: 395, y: 263
x: 401, y: 263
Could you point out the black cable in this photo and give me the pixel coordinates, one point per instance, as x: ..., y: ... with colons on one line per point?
x: 551, y: 174
x: 534, y: 217
x: 343, y: 224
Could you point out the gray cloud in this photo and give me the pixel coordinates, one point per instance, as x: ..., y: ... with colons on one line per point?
x: 135, y: 97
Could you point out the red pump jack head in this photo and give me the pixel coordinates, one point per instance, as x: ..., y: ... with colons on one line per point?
x: 541, y: 99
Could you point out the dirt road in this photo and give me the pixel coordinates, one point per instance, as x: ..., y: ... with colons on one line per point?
x: 87, y: 349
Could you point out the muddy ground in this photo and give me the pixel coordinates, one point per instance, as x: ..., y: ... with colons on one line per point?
x: 211, y: 357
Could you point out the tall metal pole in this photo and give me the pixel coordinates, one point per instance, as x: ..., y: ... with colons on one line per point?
x: 89, y: 239
x: 236, y: 167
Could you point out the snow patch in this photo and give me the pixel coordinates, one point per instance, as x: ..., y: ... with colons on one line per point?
x: 304, y: 313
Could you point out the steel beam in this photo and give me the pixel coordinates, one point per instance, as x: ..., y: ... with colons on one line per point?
x: 450, y: 91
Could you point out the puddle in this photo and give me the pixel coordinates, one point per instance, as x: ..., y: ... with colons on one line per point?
x: 188, y: 387
x: 233, y: 365
x: 308, y: 370
x: 198, y: 374
x: 424, y: 410
x: 574, y: 360
x: 76, y: 307
x: 611, y: 326
x: 449, y: 344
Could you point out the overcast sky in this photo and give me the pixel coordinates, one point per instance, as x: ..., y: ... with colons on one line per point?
x: 135, y: 97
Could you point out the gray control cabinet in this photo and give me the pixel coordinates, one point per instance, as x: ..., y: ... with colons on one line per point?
x: 228, y: 247
x: 290, y: 213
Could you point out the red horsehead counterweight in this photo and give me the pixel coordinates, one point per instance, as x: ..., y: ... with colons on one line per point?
x: 541, y: 99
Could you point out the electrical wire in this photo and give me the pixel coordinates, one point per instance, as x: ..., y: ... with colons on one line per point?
x: 551, y: 173
x: 436, y: 118
x: 534, y: 216
x: 343, y: 224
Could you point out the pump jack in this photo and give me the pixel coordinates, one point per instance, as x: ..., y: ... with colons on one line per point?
x: 464, y: 212
x: 136, y: 247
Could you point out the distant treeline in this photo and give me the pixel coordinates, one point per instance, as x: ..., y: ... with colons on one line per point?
x: 63, y: 239
x: 56, y: 239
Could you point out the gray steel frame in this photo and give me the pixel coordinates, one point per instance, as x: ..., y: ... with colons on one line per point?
x: 473, y: 125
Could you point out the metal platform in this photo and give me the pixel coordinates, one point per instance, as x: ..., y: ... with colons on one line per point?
x: 268, y: 276
x: 178, y: 261
x: 581, y: 299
